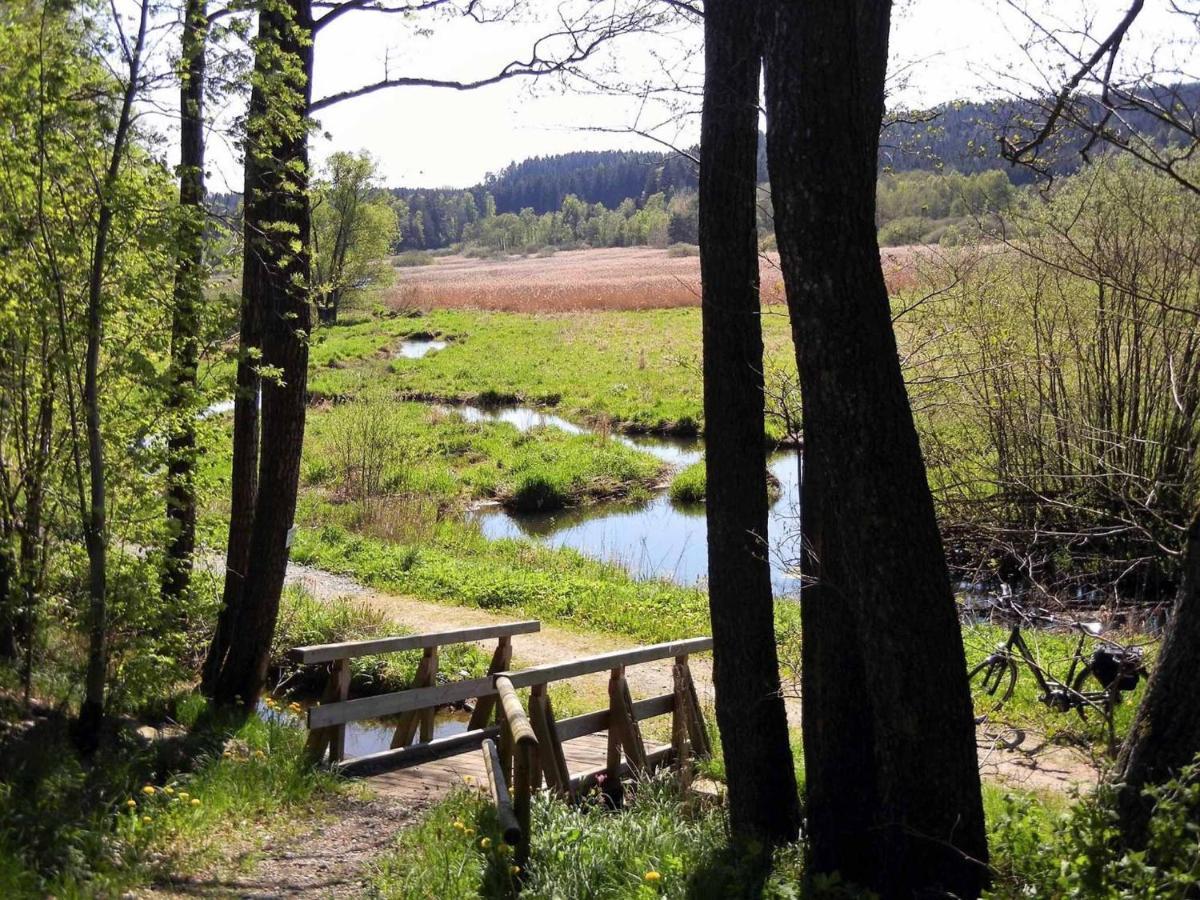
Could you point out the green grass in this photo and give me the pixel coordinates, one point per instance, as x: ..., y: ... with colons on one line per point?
x: 688, y: 485
x: 638, y: 370
x: 661, y: 845
x: 438, y: 456
x: 140, y: 813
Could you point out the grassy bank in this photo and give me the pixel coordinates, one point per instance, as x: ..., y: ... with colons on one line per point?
x: 376, y: 446
x: 638, y: 370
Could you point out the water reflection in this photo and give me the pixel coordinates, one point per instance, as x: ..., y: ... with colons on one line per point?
x: 369, y: 735
x: 415, y: 348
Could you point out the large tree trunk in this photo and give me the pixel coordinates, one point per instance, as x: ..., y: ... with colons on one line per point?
x: 1165, y: 735
x: 277, y: 281
x: 893, y: 796
x: 188, y: 296
x: 763, y: 800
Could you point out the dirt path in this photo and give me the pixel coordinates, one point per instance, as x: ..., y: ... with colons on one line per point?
x: 1034, y: 764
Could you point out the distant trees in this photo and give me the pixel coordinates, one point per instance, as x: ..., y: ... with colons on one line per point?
x: 355, y: 224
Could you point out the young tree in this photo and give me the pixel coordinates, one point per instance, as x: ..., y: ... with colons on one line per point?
x: 893, y: 795
x: 763, y: 801
x: 188, y: 299
x: 354, y: 227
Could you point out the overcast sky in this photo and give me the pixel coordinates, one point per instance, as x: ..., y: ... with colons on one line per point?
x: 945, y: 49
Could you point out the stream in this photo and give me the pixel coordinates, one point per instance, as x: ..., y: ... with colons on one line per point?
x: 368, y: 735
x: 656, y: 538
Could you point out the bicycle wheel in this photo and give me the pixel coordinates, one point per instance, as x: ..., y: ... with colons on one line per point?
x: 992, y: 683
x: 1088, y: 702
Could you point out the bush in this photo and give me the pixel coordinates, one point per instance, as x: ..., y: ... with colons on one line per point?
x: 680, y: 250
x: 412, y: 258
x: 688, y: 486
x: 535, y: 492
x: 1080, y: 854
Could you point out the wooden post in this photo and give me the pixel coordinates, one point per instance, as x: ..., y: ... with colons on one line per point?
x: 621, y: 720
x: 697, y: 730
x: 337, y: 688
x: 505, y: 815
x: 550, y: 748
x: 484, y: 706
x: 525, y: 760
x: 426, y: 677
x: 680, y: 742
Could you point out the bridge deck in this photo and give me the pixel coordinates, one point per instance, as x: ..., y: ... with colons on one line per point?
x: 428, y: 782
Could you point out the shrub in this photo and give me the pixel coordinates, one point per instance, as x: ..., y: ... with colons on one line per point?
x: 689, y: 484
x: 679, y: 250
x: 535, y: 492
x: 412, y: 258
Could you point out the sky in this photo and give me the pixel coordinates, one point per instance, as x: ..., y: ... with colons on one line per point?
x: 432, y: 137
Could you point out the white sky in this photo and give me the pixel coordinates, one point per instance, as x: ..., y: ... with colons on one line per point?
x: 431, y: 137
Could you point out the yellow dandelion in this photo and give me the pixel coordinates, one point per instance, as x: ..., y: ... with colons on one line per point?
x: 516, y: 870
x: 131, y: 803
x: 468, y: 779
x: 470, y: 832
x: 258, y: 754
x: 652, y: 876
x: 458, y: 823
x: 168, y: 790
x: 485, y: 843
x: 148, y: 790
x: 195, y: 801
x: 183, y: 795
x: 147, y: 820
x: 505, y: 849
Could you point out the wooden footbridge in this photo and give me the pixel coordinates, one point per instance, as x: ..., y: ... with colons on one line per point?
x: 507, y: 749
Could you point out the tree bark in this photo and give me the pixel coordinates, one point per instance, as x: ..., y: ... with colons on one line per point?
x: 763, y: 800
x: 893, y: 795
x: 1165, y: 735
x: 277, y: 283
x: 188, y: 297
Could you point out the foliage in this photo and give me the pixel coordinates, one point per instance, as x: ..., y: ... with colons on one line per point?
x: 661, y: 845
x: 355, y: 223
x: 1088, y: 858
x: 133, y: 815
x: 688, y: 485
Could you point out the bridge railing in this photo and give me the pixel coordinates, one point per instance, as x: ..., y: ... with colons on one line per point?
x: 416, y: 705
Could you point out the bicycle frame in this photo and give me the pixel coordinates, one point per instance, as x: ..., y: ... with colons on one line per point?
x: 1056, y: 693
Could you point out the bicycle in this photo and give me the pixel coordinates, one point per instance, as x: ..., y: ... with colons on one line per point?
x: 1117, y: 668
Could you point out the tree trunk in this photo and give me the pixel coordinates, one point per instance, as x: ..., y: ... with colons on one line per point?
x: 1165, y: 735
x: 893, y: 795
x: 278, y: 214
x: 763, y: 801
x: 188, y: 296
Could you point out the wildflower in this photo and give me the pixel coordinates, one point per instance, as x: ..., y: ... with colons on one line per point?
x: 195, y: 801
x: 470, y: 832
x: 516, y: 870
x: 168, y: 790
x: 504, y: 849
x: 147, y: 820
x: 468, y: 779
x: 458, y: 823
x: 148, y: 790
x: 131, y: 803
x: 652, y: 876
x: 258, y: 754
x: 485, y: 843
x: 183, y: 795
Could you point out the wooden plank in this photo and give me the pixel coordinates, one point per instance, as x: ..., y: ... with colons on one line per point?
x: 426, y: 676
x: 319, y: 739
x: 605, y: 661
x: 514, y: 714
x: 622, y: 722
x: 318, y: 653
x: 550, y: 750
x: 484, y: 706
x: 401, y: 701
x: 679, y: 725
x: 404, y: 757
x: 590, y: 723
x: 697, y: 730
x: 524, y: 763
x: 505, y: 815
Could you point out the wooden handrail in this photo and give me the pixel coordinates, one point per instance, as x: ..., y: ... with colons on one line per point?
x: 401, y: 701
x: 604, y: 662
x: 319, y: 653
x: 514, y: 713
x: 510, y: 828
